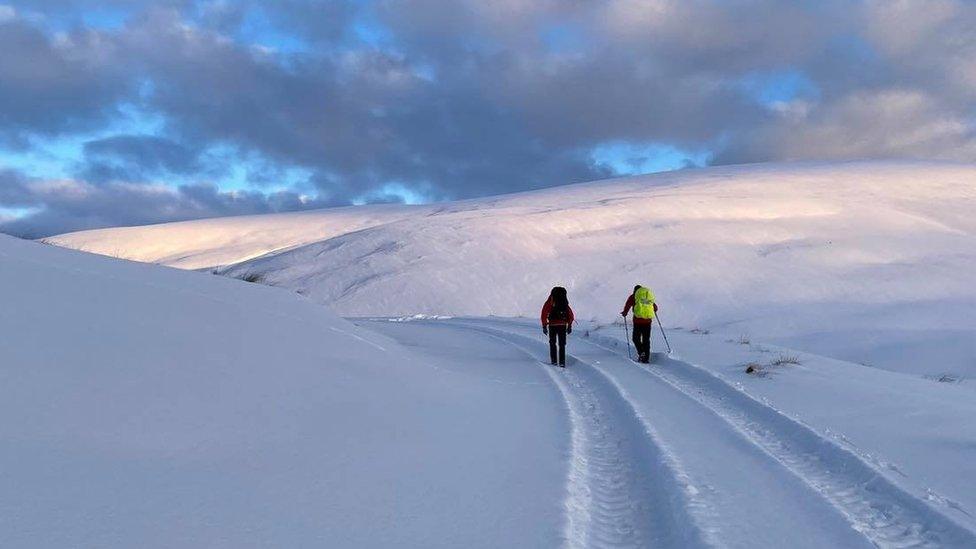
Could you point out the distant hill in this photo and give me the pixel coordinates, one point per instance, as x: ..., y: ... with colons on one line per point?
x: 865, y: 261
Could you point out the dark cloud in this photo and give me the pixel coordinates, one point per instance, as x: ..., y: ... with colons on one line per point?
x: 222, y: 16
x: 462, y: 98
x: 50, y: 86
x: 137, y: 158
x: 366, y: 118
x: 314, y: 20
x: 13, y: 190
x: 69, y: 205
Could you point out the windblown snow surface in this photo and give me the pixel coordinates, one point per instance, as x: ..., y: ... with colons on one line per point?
x: 145, y: 406
x: 866, y: 262
x: 142, y: 406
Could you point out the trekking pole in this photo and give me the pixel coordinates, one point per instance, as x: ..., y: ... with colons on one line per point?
x: 659, y: 325
x: 627, y: 333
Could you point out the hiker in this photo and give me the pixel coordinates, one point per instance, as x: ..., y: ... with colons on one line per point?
x: 642, y: 301
x: 557, y: 321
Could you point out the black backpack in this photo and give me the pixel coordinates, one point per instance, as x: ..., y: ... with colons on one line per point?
x: 560, y: 305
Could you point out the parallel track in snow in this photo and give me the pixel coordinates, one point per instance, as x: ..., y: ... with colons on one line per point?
x: 621, y: 489
x: 876, y: 507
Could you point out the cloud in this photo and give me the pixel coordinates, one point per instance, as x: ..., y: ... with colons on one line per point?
x: 885, y: 123
x: 55, y: 85
x: 453, y: 99
x: 13, y: 190
x: 929, y: 44
x: 137, y: 158
x: 364, y: 117
x: 69, y: 205
x: 315, y: 21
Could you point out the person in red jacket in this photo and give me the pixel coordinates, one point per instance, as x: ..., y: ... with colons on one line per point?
x: 642, y: 327
x: 557, y: 321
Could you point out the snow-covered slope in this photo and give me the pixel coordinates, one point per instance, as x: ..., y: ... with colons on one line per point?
x: 869, y: 262
x: 142, y: 406
x: 751, y: 459
x: 223, y: 241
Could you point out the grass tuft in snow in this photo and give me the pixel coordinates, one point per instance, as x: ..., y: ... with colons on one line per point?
x: 256, y: 278
x: 784, y: 360
x: 756, y: 369
x: 946, y: 378
x: 762, y: 370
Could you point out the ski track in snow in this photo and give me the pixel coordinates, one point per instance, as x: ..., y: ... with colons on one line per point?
x: 360, y: 338
x: 619, y: 481
x: 876, y: 507
x: 884, y: 513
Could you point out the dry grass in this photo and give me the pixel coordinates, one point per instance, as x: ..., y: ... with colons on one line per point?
x: 256, y: 278
x: 784, y: 360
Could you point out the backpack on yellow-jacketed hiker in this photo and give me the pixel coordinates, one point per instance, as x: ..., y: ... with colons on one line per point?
x: 643, y: 303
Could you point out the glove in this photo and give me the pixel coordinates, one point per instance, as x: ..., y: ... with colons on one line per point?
x: 623, y: 314
x: 545, y: 330
x: 569, y: 329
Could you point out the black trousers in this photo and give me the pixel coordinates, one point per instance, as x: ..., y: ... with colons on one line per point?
x: 557, y: 334
x: 642, y: 339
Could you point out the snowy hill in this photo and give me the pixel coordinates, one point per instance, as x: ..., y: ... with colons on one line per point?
x: 222, y: 241
x: 142, y: 406
x: 868, y: 262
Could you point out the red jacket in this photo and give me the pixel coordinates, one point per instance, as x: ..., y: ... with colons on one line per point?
x: 545, y: 315
x: 627, y: 307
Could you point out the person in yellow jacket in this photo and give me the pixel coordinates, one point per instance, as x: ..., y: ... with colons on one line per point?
x: 642, y: 301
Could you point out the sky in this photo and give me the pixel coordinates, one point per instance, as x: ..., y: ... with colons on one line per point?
x: 128, y: 112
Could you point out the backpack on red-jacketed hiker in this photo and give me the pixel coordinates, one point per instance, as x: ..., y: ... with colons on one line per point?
x: 560, y: 306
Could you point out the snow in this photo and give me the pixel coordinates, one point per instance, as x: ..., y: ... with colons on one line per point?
x: 820, y: 454
x: 207, y: 243
x: 867, y: 262
x: 142, y: 406
x: 152, y: 407
x: 693, y: 451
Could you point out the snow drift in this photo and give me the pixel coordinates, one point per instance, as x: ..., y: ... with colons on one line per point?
x: 869, y: 262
